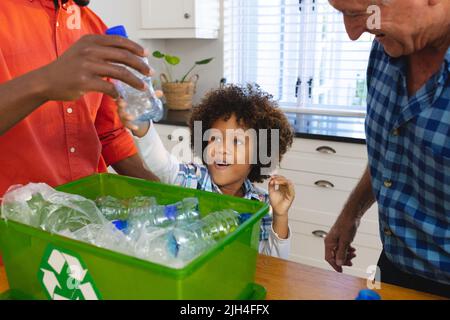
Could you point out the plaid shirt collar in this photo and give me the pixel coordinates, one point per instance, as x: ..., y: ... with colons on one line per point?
x: 411, y: 109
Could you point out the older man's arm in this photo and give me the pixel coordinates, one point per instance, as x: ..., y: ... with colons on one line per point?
x: 338, y: 249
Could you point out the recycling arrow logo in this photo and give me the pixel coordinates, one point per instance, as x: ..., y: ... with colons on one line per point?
x: 64, y: 276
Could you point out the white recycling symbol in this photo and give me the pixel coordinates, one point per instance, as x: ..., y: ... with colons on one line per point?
x: 77, y: 274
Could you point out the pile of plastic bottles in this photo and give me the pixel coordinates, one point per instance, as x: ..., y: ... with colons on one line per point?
x: 172, y: 235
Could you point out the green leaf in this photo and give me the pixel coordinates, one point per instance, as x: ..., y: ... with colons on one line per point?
x: 172, y: 60
x: 158, y: 54
x: 206, y: 61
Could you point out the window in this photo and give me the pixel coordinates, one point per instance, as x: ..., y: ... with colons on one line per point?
x: 298, y: 51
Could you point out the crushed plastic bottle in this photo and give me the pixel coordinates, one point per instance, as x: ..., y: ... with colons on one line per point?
x: 119, y: 209
x: 112, y: 208
x: 104, y: 236
x: 186, y: 242
x: 143, y: 105
x: 41, y: 206
x: 216, y: 225
x: 163, y: 216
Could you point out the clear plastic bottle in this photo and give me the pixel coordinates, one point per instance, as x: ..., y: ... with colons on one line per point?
x: 162, y: 216
x: 216, y: 225
x: 186, y: 242
x: 112, y: 208
x: 119, y: 209
x: 38, y: 205
x: 143, y: 105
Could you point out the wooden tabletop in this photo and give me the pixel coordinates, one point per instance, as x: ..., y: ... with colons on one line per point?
x: 285, y: 280
x: 292, y: 281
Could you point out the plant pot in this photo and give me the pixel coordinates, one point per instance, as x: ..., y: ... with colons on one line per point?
x: 179, y: 94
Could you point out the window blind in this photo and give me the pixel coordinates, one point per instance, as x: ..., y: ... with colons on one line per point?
x: 298, y: 51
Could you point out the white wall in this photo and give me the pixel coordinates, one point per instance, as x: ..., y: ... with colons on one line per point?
x: 127, y: 12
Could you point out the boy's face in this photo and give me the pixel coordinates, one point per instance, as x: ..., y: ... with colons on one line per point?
x: 229, y: 152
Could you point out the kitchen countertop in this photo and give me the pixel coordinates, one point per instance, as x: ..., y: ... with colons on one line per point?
x: 330, y: 128
x: 285, y: 280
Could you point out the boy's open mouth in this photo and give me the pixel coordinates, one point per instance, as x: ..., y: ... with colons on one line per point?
x: 221, y: 165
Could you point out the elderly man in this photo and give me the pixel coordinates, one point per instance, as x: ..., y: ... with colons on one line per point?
x: 408, y: 141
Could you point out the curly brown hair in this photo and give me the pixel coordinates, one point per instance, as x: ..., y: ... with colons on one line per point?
x: 254, y: 108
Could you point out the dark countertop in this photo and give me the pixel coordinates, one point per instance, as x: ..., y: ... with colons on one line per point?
x: 331, y: 128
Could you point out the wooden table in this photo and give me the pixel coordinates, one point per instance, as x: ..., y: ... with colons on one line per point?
x: 292, y: 281
x: 285, y: 280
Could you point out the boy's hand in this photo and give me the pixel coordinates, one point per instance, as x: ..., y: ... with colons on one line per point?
x: 281, y: 199
x: 138, y: 128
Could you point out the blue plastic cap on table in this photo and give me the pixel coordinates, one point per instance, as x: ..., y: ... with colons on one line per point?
x: 367, y: 294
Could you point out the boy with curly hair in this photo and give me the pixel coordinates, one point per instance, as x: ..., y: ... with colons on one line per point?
x: 231, y: 156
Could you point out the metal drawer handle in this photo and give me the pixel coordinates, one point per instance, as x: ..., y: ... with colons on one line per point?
x: 326, y: 150
x: 320, y: 233
x: 187, y: 16
x: 324, y: 184
x: 180, y: 138
x: 169, y: 137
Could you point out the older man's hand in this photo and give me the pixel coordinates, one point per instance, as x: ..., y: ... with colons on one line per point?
x: 338, y: 249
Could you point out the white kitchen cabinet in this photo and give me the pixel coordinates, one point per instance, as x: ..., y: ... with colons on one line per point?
x: 177, y: 141
x: 324, y: 174
x: 180, y: 19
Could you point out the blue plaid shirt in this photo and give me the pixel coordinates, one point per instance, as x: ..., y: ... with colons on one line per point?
x: 408, y: 141
x: 196, y: 176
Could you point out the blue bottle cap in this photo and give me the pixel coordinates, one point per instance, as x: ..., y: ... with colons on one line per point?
x: 120, y: 224
x: 117, y: 31
x: 170, y: 211
x: 244, y: 217
x: 367, y: 294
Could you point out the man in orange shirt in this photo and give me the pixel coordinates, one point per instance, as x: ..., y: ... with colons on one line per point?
x: 58, y: 119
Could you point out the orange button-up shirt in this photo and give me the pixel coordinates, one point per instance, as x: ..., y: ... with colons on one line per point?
x: 60, y: 141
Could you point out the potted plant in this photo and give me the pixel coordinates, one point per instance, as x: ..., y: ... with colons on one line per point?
x: 178, y: 93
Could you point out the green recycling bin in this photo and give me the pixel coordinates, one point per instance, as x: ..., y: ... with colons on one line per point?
x: 40, y: 265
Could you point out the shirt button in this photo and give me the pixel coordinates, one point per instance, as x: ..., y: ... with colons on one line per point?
x: 396, y: 132
x: 388, y: 183
x: 387, y: 231
x: 57, y: 23
x: 72, y: 150
x: 69, y: 110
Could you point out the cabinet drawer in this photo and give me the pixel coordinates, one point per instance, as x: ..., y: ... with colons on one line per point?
x: 324, y: 164
x: 309, y: 250
x: 368, y: 225
x: 330, y: 148
x: 325, y: 201
x: 172, y: 135
x: 319, y: 181
x: 177, y: 142
x: 317, y: 231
